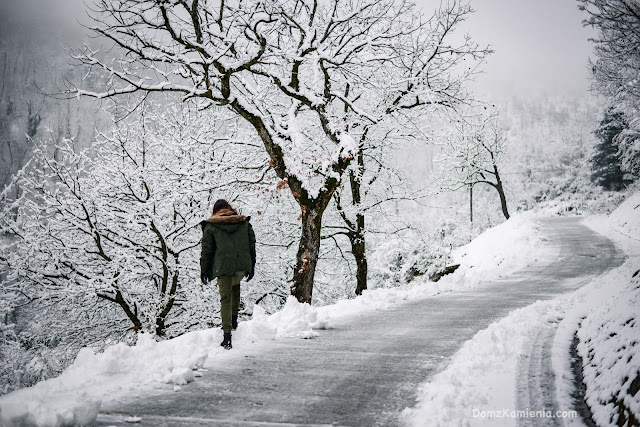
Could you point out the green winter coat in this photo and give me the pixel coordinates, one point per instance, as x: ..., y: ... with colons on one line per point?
x: 228, y: 246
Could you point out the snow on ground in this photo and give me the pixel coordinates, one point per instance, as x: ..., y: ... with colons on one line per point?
x: 478, y: 387
x: 626, y: 218
x: 479, y: 383
x: 499, y: 251
x: 608, y: 327
x: 609, y: 345
x: 74, y: 397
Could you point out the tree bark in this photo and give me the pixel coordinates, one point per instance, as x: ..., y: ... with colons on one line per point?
x: 471, y: 202
x: 132, y: 314
x: 160, y: 319
x: 312, y: 207
x: 500, y: 188
x: 356, y: 236
x: 308, y: 252
x: 358, y: 249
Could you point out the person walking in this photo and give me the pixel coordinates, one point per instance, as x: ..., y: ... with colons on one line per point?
x: 228, y: 254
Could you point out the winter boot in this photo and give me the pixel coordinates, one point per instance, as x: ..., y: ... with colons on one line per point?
x: 226, y: 342
x: 234, y: 322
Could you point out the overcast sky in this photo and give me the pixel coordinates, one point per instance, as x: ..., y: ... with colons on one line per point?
x: 540, y: 45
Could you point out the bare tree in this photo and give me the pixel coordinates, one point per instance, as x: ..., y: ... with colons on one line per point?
x: 433, y: 70
x: 284, y: 67
x: 473, y: 153
x: 122, y: 222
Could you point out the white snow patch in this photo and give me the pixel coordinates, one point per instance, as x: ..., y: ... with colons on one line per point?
x: 626, y: 218
x: 44, y: 410
x: 179, y: 376
x: 295, y: 320
x: 499, y: 251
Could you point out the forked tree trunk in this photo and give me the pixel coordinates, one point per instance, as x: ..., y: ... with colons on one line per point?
x: 161, y: 317
x: 312, y: 208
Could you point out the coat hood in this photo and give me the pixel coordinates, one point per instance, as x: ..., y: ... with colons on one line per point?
x: 226, y: 222
x: 227, y: 219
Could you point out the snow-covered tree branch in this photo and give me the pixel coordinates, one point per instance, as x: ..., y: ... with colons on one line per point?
x: 286, y: 68
x: 433, y: 72
x: 120, y: 221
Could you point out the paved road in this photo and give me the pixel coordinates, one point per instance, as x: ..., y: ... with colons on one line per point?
x: 366, y: 371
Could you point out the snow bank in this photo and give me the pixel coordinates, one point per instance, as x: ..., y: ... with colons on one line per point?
x: 605, y: 322
x: 74, y: 397
x: 498, y: 251
x: 608, y: 326
x: 34, y: 409
x: 295, y: 320
x: 480, y: 380
x: 610, y: 349
x: 626, y: 218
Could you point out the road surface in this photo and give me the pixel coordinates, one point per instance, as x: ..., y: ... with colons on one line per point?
x: 367, y: 370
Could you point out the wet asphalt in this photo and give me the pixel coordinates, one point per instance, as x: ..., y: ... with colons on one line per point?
x: 368, y: 369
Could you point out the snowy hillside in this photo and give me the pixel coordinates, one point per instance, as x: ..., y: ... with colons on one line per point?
x: 609, y: 331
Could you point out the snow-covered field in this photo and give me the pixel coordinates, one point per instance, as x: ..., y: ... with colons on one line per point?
x: 75, y: 396
x: 480, y: 382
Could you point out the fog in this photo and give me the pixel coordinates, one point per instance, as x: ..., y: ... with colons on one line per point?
x: 540, y: 47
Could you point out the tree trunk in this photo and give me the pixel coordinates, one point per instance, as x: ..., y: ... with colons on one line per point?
x: 160, y: 319
x: 308, y: 252
x: 358, y: 249
x: 500, y: 188
x: 312, y: 208
x: 356, y: 236
x: 471, y: 202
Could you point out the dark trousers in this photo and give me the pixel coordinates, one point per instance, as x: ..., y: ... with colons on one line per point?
x: 229, y: 287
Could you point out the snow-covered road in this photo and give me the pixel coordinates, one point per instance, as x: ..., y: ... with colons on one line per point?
x: 367, y: 369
